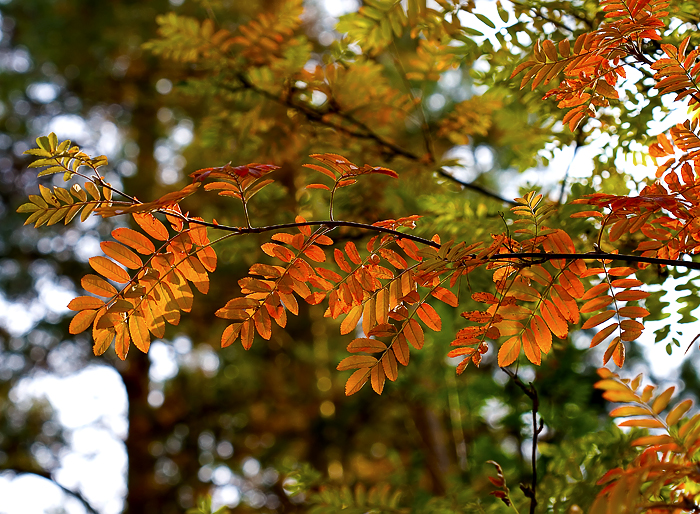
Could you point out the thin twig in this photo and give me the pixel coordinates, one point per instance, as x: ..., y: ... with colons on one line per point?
x: 530, y: 491
x: 47, y: 476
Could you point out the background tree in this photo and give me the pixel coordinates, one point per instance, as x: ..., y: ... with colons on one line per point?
x: 408, y: 88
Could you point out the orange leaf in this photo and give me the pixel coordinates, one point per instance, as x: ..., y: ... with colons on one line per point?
x: 401, y: 350
x: 230, y: 334
x: 620, y: 272
x: 393, y: 258
x: 594, y: 291
x: 630, y: 296
x: 81, y: 321
x: 556, y: 323
x: 390, y: 368
x: 366, y: 345
x: 532, y: 349
x: 97, y: 285
x: 154, y: 319
x: 350, y: 321
x: 85, y: 302
x: 643, y: 423
x: 572, y: 283
x: 487, y: 298
x: 509, y: 351
x: 597, y: 304
x: 599, y: 318
x: 542, y: 334
x: 628, y: 410
x: 633, y: 312
x: 315, y: 253
x: 616, y: 350
x: 356, y: 361
x: 340, y: 261
x: 121, y: 254
x: 678, y: 411
x: 414, y: 334
x: 445, y: 295
x: 377, y: 379
x: 428, y: 316
x: 603, y: 334
x: 356, y: 381
x: 207, y: 256
x: 626, y: 282
x: 134, y: 239
x: 121, y: 341
x: 263, y: 324
x: 352, y: 252
x: 661, y: 401
x: 318, y: 186
x: 151, y: 226
x: 109, y: 269
x: 139, y: 332
x: 247, y: 334
x: 410, y: 248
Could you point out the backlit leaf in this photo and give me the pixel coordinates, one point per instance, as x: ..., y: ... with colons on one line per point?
x: 509, y: 351
x: 356, y: 361
x: 151, y: 226
x: 427, y: 315
x: 97, y: 285
x: 109, y: 269
x: 85, y: 302
x: 134, y: 239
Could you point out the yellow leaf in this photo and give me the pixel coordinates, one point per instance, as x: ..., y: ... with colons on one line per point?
x: 678, y: 411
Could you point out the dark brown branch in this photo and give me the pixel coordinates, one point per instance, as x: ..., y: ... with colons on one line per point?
x: 47, y: 476
x: 529, y: 258
x: 475, y: 187
x: 544, y: 257
x: 329, y: 224
x: 365, y: 131
x: 530, y: 491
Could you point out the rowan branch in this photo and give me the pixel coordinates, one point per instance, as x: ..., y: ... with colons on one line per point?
x: 528, y: 258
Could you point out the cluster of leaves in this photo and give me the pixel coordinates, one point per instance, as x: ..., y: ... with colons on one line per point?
x: 595, y: 64
x: 664, y: 475
x: 534, y: 301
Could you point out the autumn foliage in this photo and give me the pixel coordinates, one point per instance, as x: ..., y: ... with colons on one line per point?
x: 385, y: 292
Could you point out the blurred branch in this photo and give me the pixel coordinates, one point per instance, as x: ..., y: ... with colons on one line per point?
x: 360, y: 130
x: 47, y: 476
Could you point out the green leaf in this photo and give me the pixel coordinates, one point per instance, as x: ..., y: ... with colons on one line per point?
x: 484, y: 20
